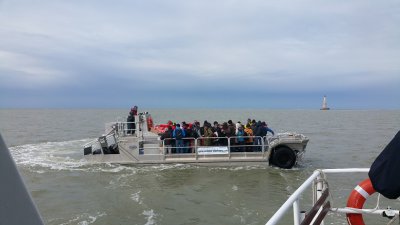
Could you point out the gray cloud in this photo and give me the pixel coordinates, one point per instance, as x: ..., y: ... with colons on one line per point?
x: 269, y: 48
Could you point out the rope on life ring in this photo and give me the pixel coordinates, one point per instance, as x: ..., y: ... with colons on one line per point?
x: 357, y: 199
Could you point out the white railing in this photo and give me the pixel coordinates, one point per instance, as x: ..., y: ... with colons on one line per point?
x: 293, y: 201
x: 317, y: 178
x: 192, y: 144
x: 123, y: 128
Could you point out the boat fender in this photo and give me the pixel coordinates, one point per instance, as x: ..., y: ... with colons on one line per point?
x: 284, y: 157
x: 357, y: 199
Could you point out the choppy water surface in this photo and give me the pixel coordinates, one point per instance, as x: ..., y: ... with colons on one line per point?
x: 47, y: 147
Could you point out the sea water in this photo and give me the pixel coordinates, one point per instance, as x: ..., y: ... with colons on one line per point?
x: 47, y: 147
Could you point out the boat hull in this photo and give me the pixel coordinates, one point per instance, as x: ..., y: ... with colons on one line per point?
x: 149, y: 150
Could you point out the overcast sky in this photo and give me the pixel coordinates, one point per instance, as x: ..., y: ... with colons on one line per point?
x: 200, y: 53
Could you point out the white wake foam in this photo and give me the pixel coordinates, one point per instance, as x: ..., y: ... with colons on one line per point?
x: 52, y: 155
x: 85, y: 219
x: 150, y: 216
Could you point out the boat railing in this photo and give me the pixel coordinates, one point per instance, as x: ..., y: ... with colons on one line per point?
x: 287, y: 136
x: 123, y: 128
x: 321, y: 203
x: 169, y: 146
x: 215, y: 145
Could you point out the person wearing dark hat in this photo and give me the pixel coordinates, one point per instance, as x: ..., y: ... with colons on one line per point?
x: 188, y: 134
x: 224, y: 133
x: 217, y: 133
x: 231, y: 129
x: 259, y: 134
x: 131, y: 125
x: 196, y: 133
x: 196, y: 129
x: 166, y: 138
x: 266, y: 129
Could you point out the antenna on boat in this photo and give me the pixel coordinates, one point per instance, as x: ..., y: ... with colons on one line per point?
x: 324, y: 104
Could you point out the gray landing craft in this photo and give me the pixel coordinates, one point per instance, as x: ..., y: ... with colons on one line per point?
x: 283, y: 150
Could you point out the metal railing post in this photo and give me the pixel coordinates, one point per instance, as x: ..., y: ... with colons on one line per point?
x: 320, y: 188
x: 229, y: 147
x: 163, y: 149
x: 195, y: 148
x: 289, y: 202
x: 302, y: 215
x: 296, y: 212
x: 262, y: 145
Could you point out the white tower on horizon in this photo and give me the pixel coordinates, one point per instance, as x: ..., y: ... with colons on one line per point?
x: 324, y: 104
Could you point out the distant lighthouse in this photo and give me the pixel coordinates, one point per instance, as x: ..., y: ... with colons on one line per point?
x: 324, y: 104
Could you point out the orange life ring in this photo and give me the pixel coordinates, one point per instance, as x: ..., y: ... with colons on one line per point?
x: 150, y: 123
x: 357, y: 199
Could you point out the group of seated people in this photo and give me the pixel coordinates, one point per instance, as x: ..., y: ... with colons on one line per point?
x: 180, y: 138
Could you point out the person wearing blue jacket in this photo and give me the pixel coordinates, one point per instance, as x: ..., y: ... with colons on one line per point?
x: 266, y: 129
x: 179, y: 134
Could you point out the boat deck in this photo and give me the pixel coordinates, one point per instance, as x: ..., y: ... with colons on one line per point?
x: 145, y: 147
